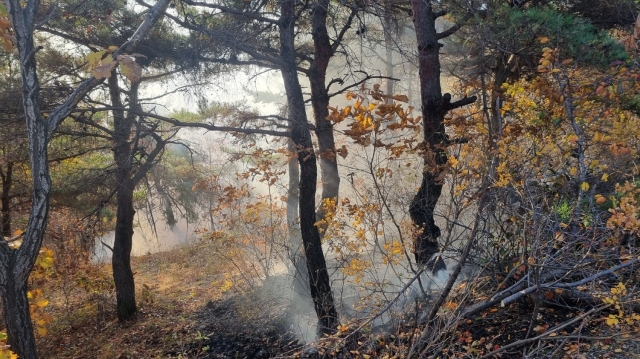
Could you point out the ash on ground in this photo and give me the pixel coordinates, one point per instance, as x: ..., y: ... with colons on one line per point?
x: 245, y: 326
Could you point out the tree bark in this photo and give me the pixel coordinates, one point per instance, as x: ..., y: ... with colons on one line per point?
x: 122, y: 152
x: 323, y: 51
x: 16, y: 264
x: 319, y: 282
x: 435, y: 105
x: 388, y: 42
x: 7, y: 183
x: 299, y: 264
x: 121, y: 259
x: 424, y: 203
x: 15, y: 307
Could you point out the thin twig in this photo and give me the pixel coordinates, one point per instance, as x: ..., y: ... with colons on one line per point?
x: 543, y: 335
x: 406, y: 286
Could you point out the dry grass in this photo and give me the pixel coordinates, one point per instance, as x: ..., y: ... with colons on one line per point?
x: 171, y: 287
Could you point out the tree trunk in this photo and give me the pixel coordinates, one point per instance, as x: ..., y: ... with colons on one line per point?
x: 323, y: 52
x: 319, y: 282
x: 299, y: 264
x: 500, y: 76
x: 424, y: 203
x: 388, y: 44
x: 435, y: 106
x: 7, y: 182
x: 15, y: 306
x: 16, y: 264
x: 121, y: 258
x: 169, y: 215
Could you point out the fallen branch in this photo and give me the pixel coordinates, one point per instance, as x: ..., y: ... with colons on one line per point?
x: 533, y: 289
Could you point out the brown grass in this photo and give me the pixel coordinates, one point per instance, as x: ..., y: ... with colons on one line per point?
x: 171, y: 287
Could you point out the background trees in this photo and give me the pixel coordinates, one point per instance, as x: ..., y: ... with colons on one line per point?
x: 525, y: 185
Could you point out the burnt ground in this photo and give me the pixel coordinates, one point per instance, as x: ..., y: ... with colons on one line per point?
x: 240, y: 327
x: 244, y: 326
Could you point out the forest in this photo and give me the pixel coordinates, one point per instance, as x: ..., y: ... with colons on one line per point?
x: 320, y: 179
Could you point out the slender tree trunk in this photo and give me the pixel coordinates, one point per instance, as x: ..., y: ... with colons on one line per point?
x: 166, y: 200
x: 500, y: 76
x: 319, y: 282
x: 121, y: 258
x: 16, y: 264
x: 299, y: 264
x: 323, y: 52
x: 435, y: 105
x: 424, y: 203
x: 7, y: 182
x: 17, y: 318
x: 388, y: 44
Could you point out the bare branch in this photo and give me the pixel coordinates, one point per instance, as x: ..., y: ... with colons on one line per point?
x: 453, y: 29
x: 344, y: 29
x: 355, y: 84
x: 212, y: 127
x: 59, y: 114
x: 535, y: 288
x: 228, y: 10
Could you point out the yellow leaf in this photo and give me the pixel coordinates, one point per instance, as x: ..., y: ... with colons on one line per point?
x: 572, y: 138
x: 42, y: 303
x: 42, y: 331
x: 46, y: 262
x: 584, y: 186
x: 543, y: 39
x: 605, y: 177
x: 103, y: 70
x: 545, y: 63
x: 94, y: 58
x: 7, y: 354
x: 573, y: 171
x: 113, y: 48
x: 555, y: 71
x: 612, y: 320
x: 130, y: 68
